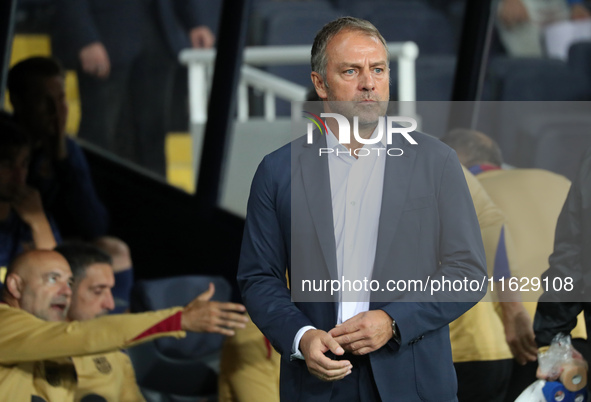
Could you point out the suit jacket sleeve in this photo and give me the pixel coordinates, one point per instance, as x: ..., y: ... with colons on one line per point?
x: 190, y: 13
x: 264, y: 259
x: 461, y: 255
x: 74, y: 23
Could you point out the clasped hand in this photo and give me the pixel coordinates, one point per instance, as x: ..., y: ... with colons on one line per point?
x: 359, y: 335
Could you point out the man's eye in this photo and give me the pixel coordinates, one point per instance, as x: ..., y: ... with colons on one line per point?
x: 379, y: 70
x: 350, y: 71
x: 52, y: 279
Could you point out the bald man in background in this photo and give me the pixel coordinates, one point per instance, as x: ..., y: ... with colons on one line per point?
x: 35, y: 354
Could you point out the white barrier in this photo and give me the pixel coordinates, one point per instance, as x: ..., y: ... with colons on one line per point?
x: 199, y: 61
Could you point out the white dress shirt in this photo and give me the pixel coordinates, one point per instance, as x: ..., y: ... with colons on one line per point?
x: 356, y: 186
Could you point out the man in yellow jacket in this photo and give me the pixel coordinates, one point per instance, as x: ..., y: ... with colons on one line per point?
x: 35, y: 354
x: 484, y: 342
x: 530, y: 200
x: 108, y: 375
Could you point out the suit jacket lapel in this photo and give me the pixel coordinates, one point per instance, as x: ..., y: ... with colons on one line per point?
x: 316, y: 180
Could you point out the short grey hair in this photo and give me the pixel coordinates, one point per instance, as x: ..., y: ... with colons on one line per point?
x: 319, y: 58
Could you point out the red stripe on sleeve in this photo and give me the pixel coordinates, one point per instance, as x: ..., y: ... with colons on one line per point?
x: 170, y: 324
x: 269, y: 348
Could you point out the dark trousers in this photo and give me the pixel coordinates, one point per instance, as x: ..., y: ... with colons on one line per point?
x: 521, y: 378
x: 484, y: 381
x: 357, y: 386
x: 127, y: 113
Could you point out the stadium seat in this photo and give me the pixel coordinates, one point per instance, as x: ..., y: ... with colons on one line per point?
x: 579, y: 58
x: 428, y: 28
x: 263, y: 12
x: 171, y: 369
x: 434, y: 83
x: 556, y: 141
x: 517, y: 82
x: 538, y: 80
x: 367, y: 9
x: 435, y: 76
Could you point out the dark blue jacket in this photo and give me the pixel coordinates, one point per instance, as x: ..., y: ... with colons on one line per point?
x: 428, y: 229
x: 69, y: 195
x: 119, y: 25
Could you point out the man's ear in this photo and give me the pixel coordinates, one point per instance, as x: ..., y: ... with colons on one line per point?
x: 319, y: 85
x: 14, y: 285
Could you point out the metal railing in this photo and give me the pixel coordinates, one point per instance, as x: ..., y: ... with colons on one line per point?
x: 200, y: 64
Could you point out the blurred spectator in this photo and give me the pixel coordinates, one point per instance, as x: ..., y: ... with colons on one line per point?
x: 521, y: 22
x: 484, y: 343
x: 571, y: 259
x: 23, y: 222
x: 531, y: 200
x: 35, y: 362
x: 125, y: 56
x: 58, y: 167
x: 122, y: 266
x: 108, y: 375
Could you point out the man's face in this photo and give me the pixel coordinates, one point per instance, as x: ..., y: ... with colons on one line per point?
x: 13, y: 174
x: 45, y: 110
x: 47, y: 289
x: 357, y: 77
x: 92, y: 294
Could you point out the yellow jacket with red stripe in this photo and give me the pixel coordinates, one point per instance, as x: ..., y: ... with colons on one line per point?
x: 35, y: 362
x: 109, y: 376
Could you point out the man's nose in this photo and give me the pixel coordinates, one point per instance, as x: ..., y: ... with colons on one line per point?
x: 66, y: 289
x: 366, y: 80
x: 109, y: 302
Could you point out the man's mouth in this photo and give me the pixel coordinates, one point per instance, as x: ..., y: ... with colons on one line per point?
x: 367, y: 101
x: 59, y: 306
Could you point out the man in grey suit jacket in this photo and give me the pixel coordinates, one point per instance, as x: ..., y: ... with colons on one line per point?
x: 329, y: 211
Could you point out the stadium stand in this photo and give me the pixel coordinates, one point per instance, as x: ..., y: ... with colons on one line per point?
x: 516, y: 82
x: 556, y: 141
x: 579, y: 58
x: 421, y: 25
